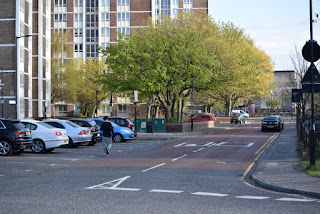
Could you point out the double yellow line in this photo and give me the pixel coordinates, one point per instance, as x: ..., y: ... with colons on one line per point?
x: 260, y: 152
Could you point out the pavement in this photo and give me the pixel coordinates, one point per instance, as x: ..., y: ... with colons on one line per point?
x: 276, y: 168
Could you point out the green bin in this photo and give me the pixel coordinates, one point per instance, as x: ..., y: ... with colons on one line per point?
x: 158, y: 125
x: 140, y: 125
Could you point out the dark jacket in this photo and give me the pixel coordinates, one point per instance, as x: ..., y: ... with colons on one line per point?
x: 107, y: 129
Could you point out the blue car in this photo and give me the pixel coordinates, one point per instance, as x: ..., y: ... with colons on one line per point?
x: 121, y: 134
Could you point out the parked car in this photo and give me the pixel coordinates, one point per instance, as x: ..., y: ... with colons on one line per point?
x: 241, y: 112
x: 77, y: 134
x: 122, y: 121
x: 121, y: 134
x: 85, y: 122
x: 202, y: 117
x: 272, y: 122
x: 238, y: 118
x: 45, y: 138
x: 14, y: 137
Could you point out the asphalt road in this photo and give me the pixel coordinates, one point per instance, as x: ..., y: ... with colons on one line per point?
x: 195, y: 174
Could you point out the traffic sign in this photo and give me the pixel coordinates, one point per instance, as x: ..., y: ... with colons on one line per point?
x: 308, y: 76
x: 306, y: 51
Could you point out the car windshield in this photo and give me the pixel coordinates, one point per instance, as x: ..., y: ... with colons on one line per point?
x: 46, y: 125
x: 18, y: 125
x: 235, y: 115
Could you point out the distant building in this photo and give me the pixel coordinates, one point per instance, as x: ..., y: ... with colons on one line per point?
x: 25, y: 58
x: 92, y: 23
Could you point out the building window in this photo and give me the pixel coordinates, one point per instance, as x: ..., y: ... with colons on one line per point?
x: 62, y: 109
x: 106, y: 109
x: 105, y: 3
x: 60, y: 17
x: 123, y: 2
x: 124, y: 30
x: 123, y: 17
x: 122, y: 109
x: 105, y: 17
x: 188, y: 2
x: 60, y: 3
x: 78, y: 32
x: 78, y: 17
x: 78, y: 3
x: 105, y: 31
x: 78, y: 48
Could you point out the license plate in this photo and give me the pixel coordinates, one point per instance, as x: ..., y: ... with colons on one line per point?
x: 88, y: 132
x: 65, y: 141
x: 270, y: 126
x: 27, y: 133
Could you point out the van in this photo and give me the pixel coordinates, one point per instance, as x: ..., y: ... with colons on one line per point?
x: 240, y: 112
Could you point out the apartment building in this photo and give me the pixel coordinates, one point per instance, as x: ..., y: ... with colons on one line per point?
x: 91, y: 23
x: 25, y: 62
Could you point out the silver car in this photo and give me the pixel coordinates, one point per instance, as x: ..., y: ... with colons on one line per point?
x: 77, y: 134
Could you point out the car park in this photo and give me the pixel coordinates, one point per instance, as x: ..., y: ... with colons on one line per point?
x: 14, y: 137
x: 202, y: 117
x: 77, y: 134
x: 45, y: 138
x: 238, y: 118
x: 272, y: 122
x: 89, y: 123
x: 121, y: 134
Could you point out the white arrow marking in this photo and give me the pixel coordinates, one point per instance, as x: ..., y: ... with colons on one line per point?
x: 114, y: 183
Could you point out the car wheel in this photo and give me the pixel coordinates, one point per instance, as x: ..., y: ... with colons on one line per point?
x: 38, y: 146
x: 88, y: 143
x: 71, y: 143
x: 5, y: 147
x: 240, y: 122
x: 117, y: 138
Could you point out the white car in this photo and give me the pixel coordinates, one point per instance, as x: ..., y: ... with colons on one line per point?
x: 241, y: 112
x: 45, y: 137
x: 77, y: 134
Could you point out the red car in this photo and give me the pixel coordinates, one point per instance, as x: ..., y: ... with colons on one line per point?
x: 202, y: 117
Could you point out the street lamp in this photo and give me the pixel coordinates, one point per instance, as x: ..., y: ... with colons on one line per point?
x: 97, y: 93
x: 271, y: 93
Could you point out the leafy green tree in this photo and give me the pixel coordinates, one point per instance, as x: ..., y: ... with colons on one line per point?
x: 168, y: 59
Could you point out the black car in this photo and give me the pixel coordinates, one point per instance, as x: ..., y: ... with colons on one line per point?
x: 14, y: 137
x: 122, y: 121
x: 85, y: 122
x: 272, y: 122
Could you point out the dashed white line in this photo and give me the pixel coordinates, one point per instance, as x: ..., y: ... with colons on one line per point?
x: 179, y: 144
x: 165, y: 191
x: 295, y: 199
x: 210, y: 194
x: 1, y: 175
x: 252, y: 197
x: 250, y: 144
x: 198, y: 150
x: 182, y: 156
x: 153, y: 167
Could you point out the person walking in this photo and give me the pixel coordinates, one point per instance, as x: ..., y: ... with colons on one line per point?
x: 107, y: 134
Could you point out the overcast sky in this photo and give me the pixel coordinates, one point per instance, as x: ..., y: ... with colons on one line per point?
x: 276, y: 26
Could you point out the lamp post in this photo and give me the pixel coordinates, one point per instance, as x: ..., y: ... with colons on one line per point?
x: 97, y: 93
x: 18, y: 74
x: 271, y: 93
x: 2, y: 89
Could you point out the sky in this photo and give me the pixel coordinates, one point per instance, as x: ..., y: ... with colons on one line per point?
x: 276, y: 26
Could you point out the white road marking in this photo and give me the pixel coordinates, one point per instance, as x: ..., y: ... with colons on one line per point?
x: 191, y: 145
x: 222, y: 143
x: 221, y: 162
x: 115, y: 184
x: 209, y: 144
x: 295, y: 199
x: 198, y: 150
x: 165, y: 191
x: 252, y: 197
x: 210, y: 194
x: 1, y: 175
x: 181, y: 144
x: 182, y: 156
x: 250, y: 144
x: 153, y: 167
